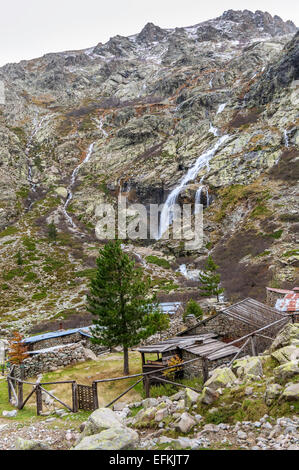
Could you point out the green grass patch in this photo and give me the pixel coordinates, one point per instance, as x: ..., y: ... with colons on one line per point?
x: 158, y: 261
x: 8, y: 231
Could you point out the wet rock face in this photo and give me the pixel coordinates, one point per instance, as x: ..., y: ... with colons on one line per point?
x: 152, y: 104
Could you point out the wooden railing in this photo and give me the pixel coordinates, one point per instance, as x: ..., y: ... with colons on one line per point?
x: 86, y: 397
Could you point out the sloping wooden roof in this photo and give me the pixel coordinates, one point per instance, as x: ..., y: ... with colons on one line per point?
x: 175, y: 343
x: 204, y: 345
x: 254, y: 313
x: 212, y: 349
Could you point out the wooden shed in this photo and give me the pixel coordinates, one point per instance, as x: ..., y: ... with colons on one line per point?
x: 186, y: 348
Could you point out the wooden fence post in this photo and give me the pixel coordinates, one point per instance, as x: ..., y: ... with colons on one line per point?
x: 75, y: 397
x: 252, y: 340
x: 147, y: 386
x: 205, y: 369
x: 9, y: 390
x: 20, y: 395
x: 95, y: 395
x: 39, y: 402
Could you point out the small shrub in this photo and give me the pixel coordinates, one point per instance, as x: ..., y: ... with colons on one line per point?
x: 158, y: 261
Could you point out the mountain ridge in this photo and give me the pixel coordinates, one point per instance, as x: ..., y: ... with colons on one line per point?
x: 134, y: 117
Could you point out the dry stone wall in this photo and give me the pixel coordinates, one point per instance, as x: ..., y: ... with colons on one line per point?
x: 60, y: 356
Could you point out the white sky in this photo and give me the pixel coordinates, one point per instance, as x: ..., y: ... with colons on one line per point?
x: 31, y: 28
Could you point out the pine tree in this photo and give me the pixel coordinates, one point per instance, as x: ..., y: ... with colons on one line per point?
x: 210, y: 280
x: 52, y: 231
x: 120, y: 301
x: 19, y: 258
x: 192, y: 308
x: 17, y: 349
x: 159, y: 321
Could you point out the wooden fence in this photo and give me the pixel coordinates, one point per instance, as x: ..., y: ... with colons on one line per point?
x: 85, y: 397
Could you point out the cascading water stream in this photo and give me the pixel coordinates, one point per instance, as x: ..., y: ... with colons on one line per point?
x: 286, y: 138
x: 202, y: 161
x: 214, y: 130
x: 221, y: 108
x: 100, y: 123
x: 73, y: 180
x: 198, y: 198
x: 208, y: 198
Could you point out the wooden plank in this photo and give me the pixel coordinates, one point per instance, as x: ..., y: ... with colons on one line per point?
x: 55, y: 398
x: 126, y: 391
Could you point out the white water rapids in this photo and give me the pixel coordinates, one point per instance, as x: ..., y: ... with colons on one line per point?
x: 202, y: 161
x: 286, y: 138
x: 221, y: 108
x: 73, y: 180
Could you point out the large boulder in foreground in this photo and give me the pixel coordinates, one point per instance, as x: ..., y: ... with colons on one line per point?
x: 248, y: 366
x: 288, y: 335
x: 191, y: 397
x: 287, y: 370
x: 272, y: 392
x: 28, y: 444
x: 221, y: 378
x: 291, y: 392
x: 100, y: 420
x: 185, y: 423
x: 115, y: 438
x: 208, y: 396
x: 286, y: 354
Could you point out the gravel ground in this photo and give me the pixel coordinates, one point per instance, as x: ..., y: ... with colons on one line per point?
x: 53, y: 436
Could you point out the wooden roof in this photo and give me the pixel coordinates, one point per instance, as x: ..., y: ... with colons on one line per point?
x: 212, y: 349
x: 176, y: 343
x: 252, y: 312
x: 204, y: 345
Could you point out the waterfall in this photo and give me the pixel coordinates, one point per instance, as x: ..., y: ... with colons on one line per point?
x: 221, y: 108
x: 208, y: 198
x: 214, y: 130
x: 100, y: 123
x: 198, y: 198
x: 286, y: 138
x: 73, y: 180
x: 202, y: 161
x: 191, y: 274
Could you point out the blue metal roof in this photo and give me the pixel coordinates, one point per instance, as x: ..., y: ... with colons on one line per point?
x: 56, y: 334
x: 169, y: 307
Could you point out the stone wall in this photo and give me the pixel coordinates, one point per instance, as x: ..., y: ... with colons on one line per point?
x: 230, y: 329
x: 195, y: 368
x: 53, y: 359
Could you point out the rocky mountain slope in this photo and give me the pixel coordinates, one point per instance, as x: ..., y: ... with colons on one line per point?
x: 133, y: 116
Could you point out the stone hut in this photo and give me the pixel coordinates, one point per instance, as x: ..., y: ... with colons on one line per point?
x: 239, y: 320
x: 199, y: 347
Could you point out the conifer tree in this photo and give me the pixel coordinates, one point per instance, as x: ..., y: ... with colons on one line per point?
x: 209, y: 280
x: 119, y: 299
x: 52, y: 231
x: 19, y: 258
x: 193, y: 308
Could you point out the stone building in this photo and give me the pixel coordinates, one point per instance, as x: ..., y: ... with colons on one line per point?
x: 205, y: 348
x: 239, y: 320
